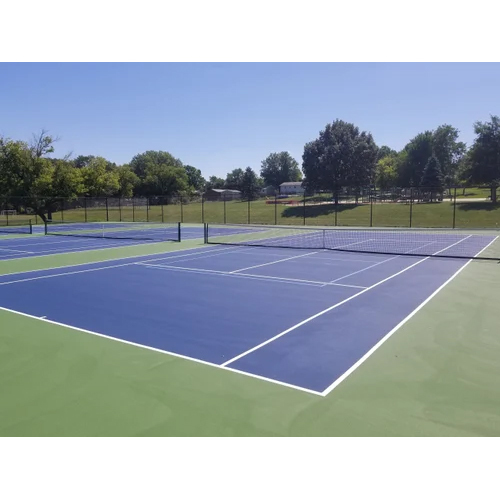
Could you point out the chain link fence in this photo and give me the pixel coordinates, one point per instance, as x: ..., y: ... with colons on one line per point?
x: 454, y: 207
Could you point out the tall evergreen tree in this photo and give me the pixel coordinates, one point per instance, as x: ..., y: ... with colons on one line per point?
x: 432, y: 180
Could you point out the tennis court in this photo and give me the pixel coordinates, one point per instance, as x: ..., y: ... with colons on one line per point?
x: 81, y: 237
x: 304, y: 317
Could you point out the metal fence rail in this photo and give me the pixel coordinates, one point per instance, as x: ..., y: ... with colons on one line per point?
x: 455, y: 207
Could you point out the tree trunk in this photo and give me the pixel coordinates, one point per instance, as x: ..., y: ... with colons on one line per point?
x: 494, y: 193
x: 40, y: 214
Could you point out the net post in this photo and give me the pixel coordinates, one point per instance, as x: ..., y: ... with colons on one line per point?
x: 205, y: 233
x: 411, y: 205
x: 31, y: 227
x: 179, y: 232
x: 454, y: 207
x: 46, y: 228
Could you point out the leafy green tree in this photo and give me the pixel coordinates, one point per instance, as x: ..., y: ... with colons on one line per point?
x: 215, y: 182
x: 485, y: 155
x: 432, y: 177
x: 278, y: 168
x: 31, y: 179
x: 98, y: 181
x: 386, y: 172
x: 141, y: 162
x: 385, y: 151
x: 127, y: 181
x: 449, y: 152
x: 415, y: 157
x: 195, y: 179
x: 234, y: 179
x: 250, y: 185
x: 341, y: 156
x: 166, y: 180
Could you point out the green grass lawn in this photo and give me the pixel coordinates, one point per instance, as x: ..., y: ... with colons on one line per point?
x: 318, y: 210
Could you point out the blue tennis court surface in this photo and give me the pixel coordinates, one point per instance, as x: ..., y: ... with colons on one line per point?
x: 33, y: 246
x: 302, y: 318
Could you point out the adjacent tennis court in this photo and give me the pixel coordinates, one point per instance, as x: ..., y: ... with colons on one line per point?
x: 299, y: 317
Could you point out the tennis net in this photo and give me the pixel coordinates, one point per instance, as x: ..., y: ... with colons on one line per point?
x: 421, y: 243
x: 148, y: 231
x: 16, y: 226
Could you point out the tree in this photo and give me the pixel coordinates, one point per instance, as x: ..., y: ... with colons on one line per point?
x: 414, y: 159
x: 385, y: 151
x: 165, y: 180
x: 386, y: 173
x: 250, y: 185
x: 98, y: 181
x: 485, y: 155
x: 127, y: 181
x: 27, y: 172
x: 149, y: 159
x: 341, y: 156
x: 432, y: 178
x: 234, y: 179
x: 278, y: 168
x: 449, y: 152
x: 215, y: 182
x: 195, y: 179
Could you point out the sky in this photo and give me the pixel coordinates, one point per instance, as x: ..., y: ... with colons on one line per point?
x: 221, y: 116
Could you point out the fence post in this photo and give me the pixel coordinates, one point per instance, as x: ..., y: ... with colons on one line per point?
x: 454, y: 208
x: 304, y: 208
x: 147, y: 208
x: 336, y: 202
x: 203, y: 209
x: 182, y: 211
x: 107, y: 211
x: 275, y: 209
x: 62, y: 209
x: 371, y: 208
x: 248, y: 215
x: 411, y: 205
x: 224, y: 202
x: 120, y: 209
x: 85, y: 208
x: 133, y: 210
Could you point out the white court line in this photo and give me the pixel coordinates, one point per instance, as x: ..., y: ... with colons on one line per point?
x: 2, y: 249
x: 378, y: 263
x: 307, y: 320
x: 181, y: 356
x: 274, y: 262
x: 93, y: 269
x: 243, y: 275
x: 398, y: 326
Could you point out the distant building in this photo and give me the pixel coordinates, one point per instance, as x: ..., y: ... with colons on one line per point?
x: 222, y: 194
x: 268, y: 191
x: 291, y: 188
